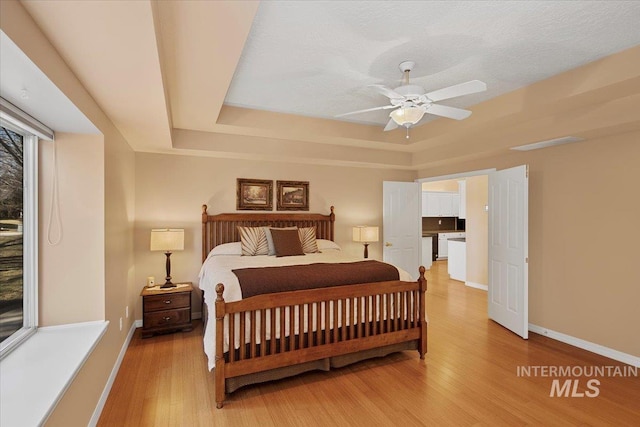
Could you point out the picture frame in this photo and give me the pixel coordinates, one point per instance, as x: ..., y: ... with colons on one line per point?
x: 254, y: 195
x: 292, y: 195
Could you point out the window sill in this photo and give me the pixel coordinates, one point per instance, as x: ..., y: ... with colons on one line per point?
x: 34, y: 376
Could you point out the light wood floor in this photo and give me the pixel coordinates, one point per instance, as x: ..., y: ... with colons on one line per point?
x: 469, y: 377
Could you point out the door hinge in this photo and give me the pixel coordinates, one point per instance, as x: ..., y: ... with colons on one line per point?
x: 527, y: 171
x: 526, y: 260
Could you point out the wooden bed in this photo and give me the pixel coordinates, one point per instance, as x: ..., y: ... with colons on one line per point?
x: 400, y: 322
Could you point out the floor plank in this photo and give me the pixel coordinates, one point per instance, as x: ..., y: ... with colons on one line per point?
x: 469, y: 378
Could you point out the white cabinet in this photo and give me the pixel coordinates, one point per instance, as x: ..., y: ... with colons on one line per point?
x: 462, y: 193
x: 440, y: 203
x: 443, y: 246
x: 455, y: 205
x: 443, y: 242
x: 457, y: 265
x: 431, y: 203
x: 427, y: 252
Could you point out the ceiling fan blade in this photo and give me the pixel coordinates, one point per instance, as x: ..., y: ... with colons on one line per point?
x: 449, y: 112
x: 386, y: 107
x: 467, y: 88
x: 391, y: 125
x: 389, y: 93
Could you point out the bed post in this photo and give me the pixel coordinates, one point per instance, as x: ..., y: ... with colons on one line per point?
x: 422, y: 345
x: 332, y: 219
x: 219, y: 370
x: 205, y: 217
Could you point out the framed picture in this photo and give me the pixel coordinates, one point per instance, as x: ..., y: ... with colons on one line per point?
x: 292, y: 195
x: 254, y: 194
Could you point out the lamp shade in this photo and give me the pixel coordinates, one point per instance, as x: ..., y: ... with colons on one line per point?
x: 167, y: 239
x: 365, y: 234
x: 405, y: 116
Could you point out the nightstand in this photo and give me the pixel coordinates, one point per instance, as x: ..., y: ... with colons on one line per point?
x: 166, y: 310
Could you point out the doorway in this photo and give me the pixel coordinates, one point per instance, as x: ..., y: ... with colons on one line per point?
x: 506, y: 246
x: 474, y: 209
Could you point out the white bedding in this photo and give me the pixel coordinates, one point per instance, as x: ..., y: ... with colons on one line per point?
x: 218, y: 269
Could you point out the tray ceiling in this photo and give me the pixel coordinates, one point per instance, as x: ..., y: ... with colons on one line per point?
x: 265, y: 80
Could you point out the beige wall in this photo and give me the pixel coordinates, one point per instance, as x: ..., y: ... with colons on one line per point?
x: 170, y: 191
x: 583, y: 237
x: 445, y: 185
x: 477, y: 229
x: 97, y: 189
x: 71, y: 291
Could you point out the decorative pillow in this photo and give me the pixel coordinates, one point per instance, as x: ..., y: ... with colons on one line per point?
x: 267, y: 230
x: 286, y: 242
x: 234, y: 248
x: 325, y: 245
x: 253, y: 241
x: 308, y: 240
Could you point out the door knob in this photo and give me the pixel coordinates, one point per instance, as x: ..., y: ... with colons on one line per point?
x: 388, y: 244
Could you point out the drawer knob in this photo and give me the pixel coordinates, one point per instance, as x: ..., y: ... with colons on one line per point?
x: 166, y: 319
x: 167, y: 301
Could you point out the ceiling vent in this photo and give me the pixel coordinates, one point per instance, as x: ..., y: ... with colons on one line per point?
x: 548, y: 143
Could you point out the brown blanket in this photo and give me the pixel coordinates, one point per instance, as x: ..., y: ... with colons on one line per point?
x: 264, y: 280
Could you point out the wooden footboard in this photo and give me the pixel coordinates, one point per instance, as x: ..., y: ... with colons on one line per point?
x: 273, y: 331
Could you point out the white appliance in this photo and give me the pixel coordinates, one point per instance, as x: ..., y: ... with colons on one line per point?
x: 443, y: 242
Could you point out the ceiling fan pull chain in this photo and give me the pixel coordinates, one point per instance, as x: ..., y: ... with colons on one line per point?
x: 407, y: 132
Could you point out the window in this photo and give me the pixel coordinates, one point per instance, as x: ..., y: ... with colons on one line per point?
x: 18, y: 233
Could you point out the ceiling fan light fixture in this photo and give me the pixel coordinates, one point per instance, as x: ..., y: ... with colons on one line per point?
x: 407, y: 116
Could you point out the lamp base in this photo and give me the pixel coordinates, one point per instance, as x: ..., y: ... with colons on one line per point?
x: 366, y: 250
x: 168, y: 284
x: 167, y: 280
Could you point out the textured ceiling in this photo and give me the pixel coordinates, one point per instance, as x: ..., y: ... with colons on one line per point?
x: 265, y: 80
x: 316, y: 58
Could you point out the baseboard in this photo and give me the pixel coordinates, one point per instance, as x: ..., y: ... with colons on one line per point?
x: 586, y: 345
x: 477, y: 286
x: 114, y: 372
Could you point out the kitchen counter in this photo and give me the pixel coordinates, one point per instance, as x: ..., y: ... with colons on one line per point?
x: 426, y: 233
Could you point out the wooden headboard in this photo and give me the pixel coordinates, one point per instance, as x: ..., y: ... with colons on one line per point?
x: 223, y: 228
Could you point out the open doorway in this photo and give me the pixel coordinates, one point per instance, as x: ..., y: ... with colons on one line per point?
x: 506, y: 244
x: 459, y: 236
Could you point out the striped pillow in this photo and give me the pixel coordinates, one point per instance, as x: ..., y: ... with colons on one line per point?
x: 253, y: 241
x: 308, y: 240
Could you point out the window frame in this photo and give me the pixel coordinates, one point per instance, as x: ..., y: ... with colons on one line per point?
x: 29, y: 238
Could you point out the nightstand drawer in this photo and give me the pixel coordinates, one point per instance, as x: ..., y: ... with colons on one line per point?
x: 166, y: 302
x: 167, y: 318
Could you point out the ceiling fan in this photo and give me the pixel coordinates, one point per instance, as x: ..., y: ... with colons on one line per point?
x: 410, y: 102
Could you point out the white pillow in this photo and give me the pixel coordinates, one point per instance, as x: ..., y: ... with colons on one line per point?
x: 234, y: 248
x: 327, y: 245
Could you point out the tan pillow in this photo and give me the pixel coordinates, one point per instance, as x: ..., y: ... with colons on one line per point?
x: 253, y: 241
x: 308, y: 240
x: 286, y: 242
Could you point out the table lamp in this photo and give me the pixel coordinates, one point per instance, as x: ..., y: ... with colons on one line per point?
x: 167, y: 240
x: 365, y: 234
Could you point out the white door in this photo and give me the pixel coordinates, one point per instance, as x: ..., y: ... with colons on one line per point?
x: 508, y: 249
x: 402, y: 225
